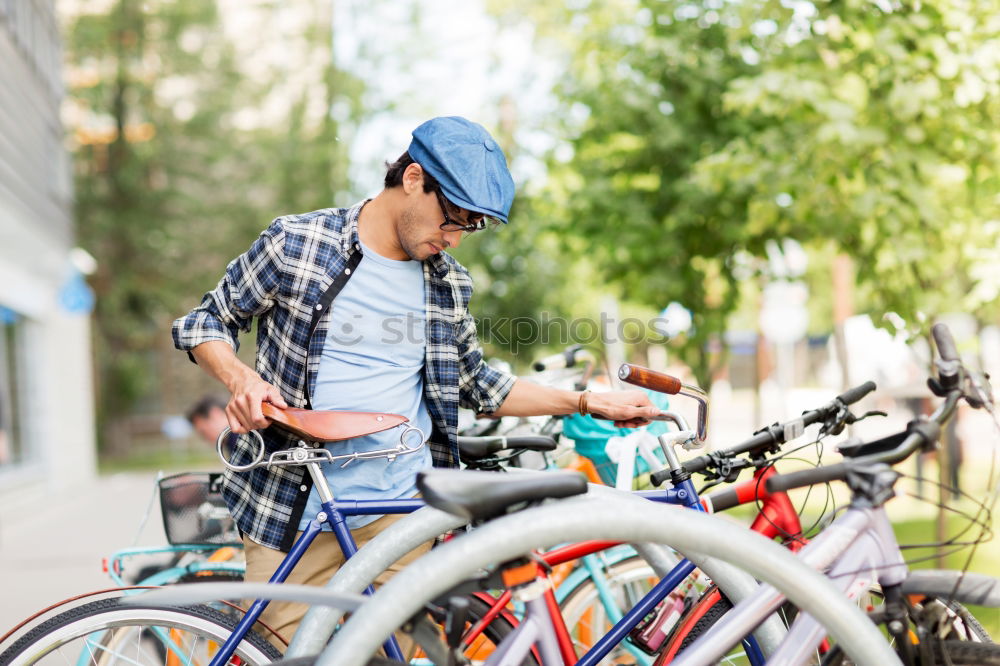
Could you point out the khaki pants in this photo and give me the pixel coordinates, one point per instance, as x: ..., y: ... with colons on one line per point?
x: 320, y: 561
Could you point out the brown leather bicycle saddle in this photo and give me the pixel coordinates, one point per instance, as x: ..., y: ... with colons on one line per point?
x: 327, y: 426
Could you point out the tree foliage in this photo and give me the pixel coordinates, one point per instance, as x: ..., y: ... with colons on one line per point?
x: 172, y: 181
x: 878, y: 131
x: 699, y: 131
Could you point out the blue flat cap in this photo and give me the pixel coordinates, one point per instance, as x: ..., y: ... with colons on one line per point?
x: 467, y: 162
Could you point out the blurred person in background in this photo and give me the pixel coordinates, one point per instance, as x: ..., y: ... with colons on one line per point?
x: 361, y: 309
x: 208, y: 417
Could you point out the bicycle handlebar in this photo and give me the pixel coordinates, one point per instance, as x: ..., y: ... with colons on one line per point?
x: 778, y: 433
x: 807, y: 477
x: 649, y: 379
x: 919, y: 435
x: 945, y: 343
x: 568, y: 358
x: 664, y: 383
x: 852, y: 395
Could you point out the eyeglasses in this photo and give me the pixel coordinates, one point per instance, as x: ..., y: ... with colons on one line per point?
x: 476, y: 221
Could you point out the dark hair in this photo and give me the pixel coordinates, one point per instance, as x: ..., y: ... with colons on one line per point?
x: 204, y: 407
x: 394, y: 174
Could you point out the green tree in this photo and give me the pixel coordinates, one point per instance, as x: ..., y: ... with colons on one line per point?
x: 699, y: 131
x: 878, y: 131
x: 171, y: 180
x: 642, y: 102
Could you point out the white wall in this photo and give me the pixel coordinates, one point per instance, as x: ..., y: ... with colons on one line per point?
x: 55, y: 380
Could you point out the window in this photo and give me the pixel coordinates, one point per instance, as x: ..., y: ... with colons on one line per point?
x: 11, y: 388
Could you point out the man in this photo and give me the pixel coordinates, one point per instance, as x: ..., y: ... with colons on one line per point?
x: 361, y: 309
x: 208, y: 417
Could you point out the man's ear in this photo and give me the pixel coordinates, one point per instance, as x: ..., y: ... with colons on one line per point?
x: 413, y: 178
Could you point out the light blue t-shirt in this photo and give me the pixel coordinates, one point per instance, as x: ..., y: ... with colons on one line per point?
x: 373, y: 361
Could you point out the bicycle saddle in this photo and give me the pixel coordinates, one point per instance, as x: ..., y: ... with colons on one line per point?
x: 327, y: 426
x: 487, y: 445
x: 485, y: 495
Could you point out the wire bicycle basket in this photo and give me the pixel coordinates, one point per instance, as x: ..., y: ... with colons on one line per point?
x: 194, y: 512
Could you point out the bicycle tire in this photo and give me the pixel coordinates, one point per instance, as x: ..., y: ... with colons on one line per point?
x: 966, y: 653
x: 99, y: 624
x: 705, y: 612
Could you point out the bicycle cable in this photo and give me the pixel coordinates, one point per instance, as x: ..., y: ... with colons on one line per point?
x: 149, y: 508
x: 786, y: 455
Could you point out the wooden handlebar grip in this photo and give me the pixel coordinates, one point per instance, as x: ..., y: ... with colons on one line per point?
x: 650, y: 379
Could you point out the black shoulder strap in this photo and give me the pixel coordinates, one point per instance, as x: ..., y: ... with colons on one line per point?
x: 323, y: 304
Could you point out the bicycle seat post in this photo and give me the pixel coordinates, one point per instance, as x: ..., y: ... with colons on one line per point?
x: 330, y: 513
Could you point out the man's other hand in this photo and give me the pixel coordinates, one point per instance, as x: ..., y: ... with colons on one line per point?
x: 628, y: 409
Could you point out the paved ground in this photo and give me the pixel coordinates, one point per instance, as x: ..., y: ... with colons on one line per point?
x: 53, y: 550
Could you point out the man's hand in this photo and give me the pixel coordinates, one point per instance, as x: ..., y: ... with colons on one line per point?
x: 244, y: 410
x: 628, y: 409
x: 246, y: 386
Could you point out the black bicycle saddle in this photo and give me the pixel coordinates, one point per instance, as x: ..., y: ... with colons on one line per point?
x: 480, y: 496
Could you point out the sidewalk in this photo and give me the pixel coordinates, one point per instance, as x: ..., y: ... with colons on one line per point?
x: 52, y: 551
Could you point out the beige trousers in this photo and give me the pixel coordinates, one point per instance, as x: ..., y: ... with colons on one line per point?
x: 320, y: 561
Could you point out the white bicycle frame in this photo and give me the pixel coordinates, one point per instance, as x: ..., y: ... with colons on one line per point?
x: 857, y: 550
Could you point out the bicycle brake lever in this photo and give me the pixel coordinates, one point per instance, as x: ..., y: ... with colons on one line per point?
x: 978, y: 391
x: 874, y: 412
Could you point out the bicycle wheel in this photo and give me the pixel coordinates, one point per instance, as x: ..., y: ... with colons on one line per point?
x: 588, y: 618
x: 964, y: 653
x: 942, y: 623
x: 107, y: 633
x: 959, y: 626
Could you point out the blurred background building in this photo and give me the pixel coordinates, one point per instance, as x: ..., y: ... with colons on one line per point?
x: 46, y: 388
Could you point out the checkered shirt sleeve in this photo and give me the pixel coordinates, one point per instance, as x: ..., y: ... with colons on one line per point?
x: 247, y: 289
x: 480, y: 387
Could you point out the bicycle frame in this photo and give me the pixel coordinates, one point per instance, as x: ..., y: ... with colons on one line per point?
x: 777, y: 517
x: 859, y: 548
x: 334, y: 513
x: 216, y: 561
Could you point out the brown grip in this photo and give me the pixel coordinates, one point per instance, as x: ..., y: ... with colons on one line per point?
x: 650, y: 379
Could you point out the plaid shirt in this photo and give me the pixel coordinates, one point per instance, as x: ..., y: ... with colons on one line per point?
x: 287, y: 280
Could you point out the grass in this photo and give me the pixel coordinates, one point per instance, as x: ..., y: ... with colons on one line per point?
x: 984, y: 558
x: 149, y: 460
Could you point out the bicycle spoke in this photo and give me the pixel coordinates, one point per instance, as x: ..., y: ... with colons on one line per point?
x: 102, y: 648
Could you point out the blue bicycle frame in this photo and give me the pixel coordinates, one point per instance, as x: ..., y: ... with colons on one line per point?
x: 334, y: 514
x: 684, y: 494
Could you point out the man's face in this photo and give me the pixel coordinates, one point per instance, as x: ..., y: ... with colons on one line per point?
x: 420, y: 233
x: 209, y: 427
